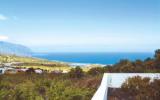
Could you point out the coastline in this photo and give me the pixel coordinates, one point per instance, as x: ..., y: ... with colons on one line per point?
x: 83, y: 59
x: 75, y: 64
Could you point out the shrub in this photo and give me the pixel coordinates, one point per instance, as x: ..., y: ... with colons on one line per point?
x: 76, y: 72
x: 96, y: 71
x: 30, y: 70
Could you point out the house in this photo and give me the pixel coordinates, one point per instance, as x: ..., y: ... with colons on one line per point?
x: 10, y: 71
x: 56, y: 71
x: 7, y: 64
x: 7, y: 68
x: 21, y: 69
x: 115, y: 80
x: 38, y: 71
x: 2, y: 70
x: 65, y: 71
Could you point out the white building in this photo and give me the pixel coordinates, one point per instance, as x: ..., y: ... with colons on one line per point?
x: 115, y: 80
x: 38, y: 71
x: 2, y: 70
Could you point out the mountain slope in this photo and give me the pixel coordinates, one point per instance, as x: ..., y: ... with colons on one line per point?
x: 14, y: 49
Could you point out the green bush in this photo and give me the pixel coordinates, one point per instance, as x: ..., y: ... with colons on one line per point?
x: 76, y: 72
x: 96, y: 71
x: 24, y: 86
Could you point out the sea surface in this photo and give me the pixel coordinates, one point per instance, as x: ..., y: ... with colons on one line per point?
x: 92, y: 58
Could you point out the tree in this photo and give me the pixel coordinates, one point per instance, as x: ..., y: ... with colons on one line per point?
x: 124, y: 66
x: 108, y: 69
x: 96, y: 71
x: 142, y: 88
x: 147, y: 59
x: 157, y: 54
x: 76, y: 72
x: 139, y: 63
x: 157, y: 59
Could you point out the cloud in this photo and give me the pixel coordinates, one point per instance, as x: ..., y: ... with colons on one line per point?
x: 2, y: 17
x: 2, y: 38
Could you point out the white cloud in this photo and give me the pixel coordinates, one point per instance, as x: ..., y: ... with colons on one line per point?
x: 2, y: 38
x: 2, y: 17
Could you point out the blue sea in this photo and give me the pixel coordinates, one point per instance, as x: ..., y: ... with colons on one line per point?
x: 92, y: 58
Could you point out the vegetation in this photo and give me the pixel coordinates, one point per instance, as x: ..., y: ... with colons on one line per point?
x: 137, y: 88
x: 78, y: 83
x: 76, y: 72
x: 30, y: 86
x: 149, y: 65
x: 96, y: 71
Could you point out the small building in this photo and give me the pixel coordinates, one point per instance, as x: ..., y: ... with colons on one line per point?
x: 2, y: 70
x: 56, y: 71
x: 7, y: 68
x: 21, y: 70
x: 10, y: 71
x: 38, y: 71
x: 65, y: 71
x: 7, y: 64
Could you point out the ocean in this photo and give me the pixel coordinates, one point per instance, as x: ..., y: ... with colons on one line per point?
x: 92, y: 58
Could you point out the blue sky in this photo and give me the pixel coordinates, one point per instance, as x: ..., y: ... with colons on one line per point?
x: 82, y: 25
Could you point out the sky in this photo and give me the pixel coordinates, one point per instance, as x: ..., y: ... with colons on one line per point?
x: 82, y: 25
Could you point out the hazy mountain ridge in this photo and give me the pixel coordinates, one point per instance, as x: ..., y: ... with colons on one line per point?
x: 14, y: 49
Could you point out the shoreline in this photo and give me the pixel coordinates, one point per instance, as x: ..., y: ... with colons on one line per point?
x: 74, y: 64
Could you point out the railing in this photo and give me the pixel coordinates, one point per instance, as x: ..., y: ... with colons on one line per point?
x: 115, y: 80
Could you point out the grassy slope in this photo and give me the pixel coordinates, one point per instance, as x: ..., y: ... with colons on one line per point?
x: 30, y: 62
x: 40, y: 63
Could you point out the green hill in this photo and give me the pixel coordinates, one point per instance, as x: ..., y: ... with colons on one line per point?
x: 29, y: 62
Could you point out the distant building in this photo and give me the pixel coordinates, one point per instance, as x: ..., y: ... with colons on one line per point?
x: 21, y: 69
x: 2, y: 70
x: 7, y: 68
x: 38, y: 71
x: 24, y: 69
x: 56, y: 71
x: 10, y: 71
x: 7, y: 64
x: 64, y: 71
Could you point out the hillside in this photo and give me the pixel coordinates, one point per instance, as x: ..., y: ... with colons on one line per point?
x: 30, y: 62
x: 14, y: 49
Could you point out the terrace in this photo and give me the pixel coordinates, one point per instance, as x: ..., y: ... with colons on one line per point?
x: 115, y: 80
